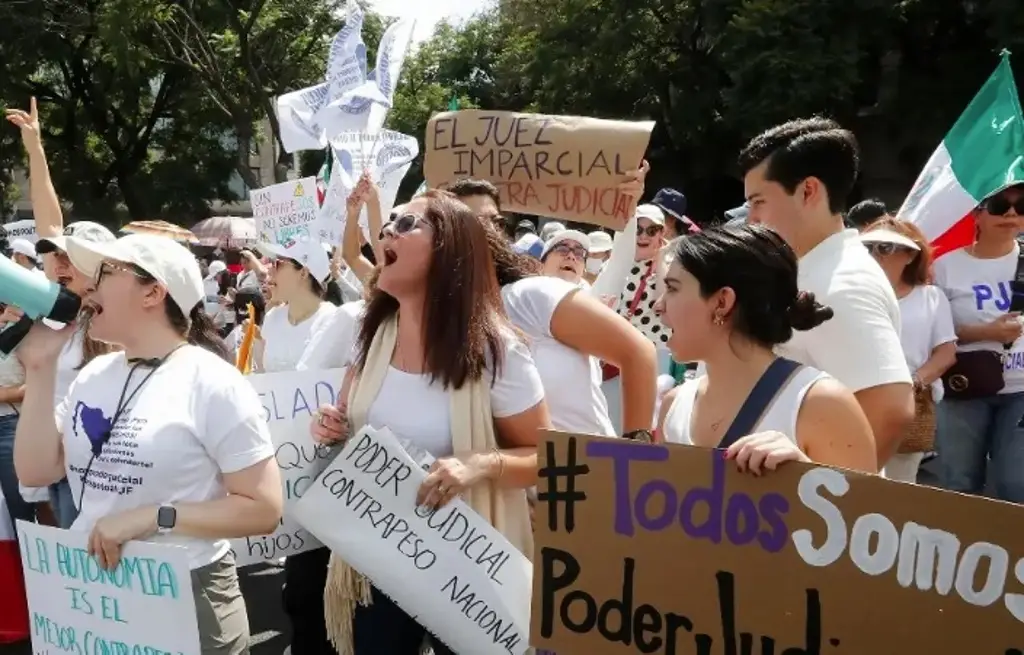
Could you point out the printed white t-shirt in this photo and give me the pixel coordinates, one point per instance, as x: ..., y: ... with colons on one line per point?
x: 68, y: 363
x: 194, y: 419
x: 284, y: 343
x: 860, y: 345
x: 419, y: 412
x: 926, y: 324
x: 571, y: 379
x: 979, y: 292
x: 332, y: 344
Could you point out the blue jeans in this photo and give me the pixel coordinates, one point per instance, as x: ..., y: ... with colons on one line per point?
x: 974, y: 435
x: 63, y: 504
x: 16, y: 506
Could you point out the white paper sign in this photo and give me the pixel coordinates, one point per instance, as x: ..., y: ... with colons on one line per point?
x: 290, y: 400
x: 296, y: 113
x: 145, y: 605
x: 285, y: 211
x: 387, y: 155
x: 25, y: 229
x: 450, y: 569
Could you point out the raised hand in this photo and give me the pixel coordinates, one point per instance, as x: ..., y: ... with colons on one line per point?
x: 27, y: 122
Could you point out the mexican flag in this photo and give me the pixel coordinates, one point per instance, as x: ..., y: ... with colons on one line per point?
x: 14, y: 624
x: 323, y: 178
x: 982, y: 155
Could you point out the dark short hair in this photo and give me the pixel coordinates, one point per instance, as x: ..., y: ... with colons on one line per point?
x: 866, y: 212
x: 761, y: 269
x: 472, y: 187
x: 807, y: 147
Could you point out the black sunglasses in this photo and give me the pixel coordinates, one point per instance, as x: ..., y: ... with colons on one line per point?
x: 402, y: 225
x: 1000, y: 206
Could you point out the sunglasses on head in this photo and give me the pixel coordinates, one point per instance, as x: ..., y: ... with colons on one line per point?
x: 1000, y: 206
x: 567, y: 248
x: 650, y: 230
x: 402, y: 225
x: 884, y: 249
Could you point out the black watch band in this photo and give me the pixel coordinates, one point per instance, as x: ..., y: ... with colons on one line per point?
x: 166, y: 519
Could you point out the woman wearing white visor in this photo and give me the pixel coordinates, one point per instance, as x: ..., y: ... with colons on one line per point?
x: 176, y: 421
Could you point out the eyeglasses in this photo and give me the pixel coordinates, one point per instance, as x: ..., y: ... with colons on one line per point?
x: 402, y: 225
x: 650, y: 230
x: 1000, y: 206
x: 109, y: 268
x: 567, y: 249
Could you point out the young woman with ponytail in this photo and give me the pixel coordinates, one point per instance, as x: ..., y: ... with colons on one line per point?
x: 201, y: 461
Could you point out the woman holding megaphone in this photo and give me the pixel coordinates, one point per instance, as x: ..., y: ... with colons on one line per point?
x: 169, y: 418
x: 79, y: 349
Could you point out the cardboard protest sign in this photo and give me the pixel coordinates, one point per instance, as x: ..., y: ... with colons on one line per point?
x: 668, y: 549
x: 290, y: 400
x: 145, y: 605
x: 450, y: 569
x: 285, y: 211
x: 559, y: 166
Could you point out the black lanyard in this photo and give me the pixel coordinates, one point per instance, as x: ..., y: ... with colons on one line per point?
x: 122, y: 404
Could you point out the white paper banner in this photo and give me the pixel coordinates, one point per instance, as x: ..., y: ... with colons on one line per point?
x: 296, y: 113
x: 450, y: 569
x: 145, y: 605
x: 285, y: 211
x: 387, y: 155
x: 346, y: 62
x: 25, y: 229
x: 289, y: 402
x: 394, y: 45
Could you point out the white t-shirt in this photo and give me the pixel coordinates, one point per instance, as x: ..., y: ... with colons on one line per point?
x: 211, y: 287
x: 571, y: 379
x: 979, y: 292
x: 12, y: 374
x: 927, y: 324
x: 248, y: 279
x: 68, y: 361
x: 780, y: 416
x: 420, y: 412
x: 331, y: 345
x: 284, y: 343
x: 860, y: 345
x: 194, y: 419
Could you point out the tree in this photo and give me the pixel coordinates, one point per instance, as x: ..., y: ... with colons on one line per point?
x: 124, y: 130
x: 245, y: 53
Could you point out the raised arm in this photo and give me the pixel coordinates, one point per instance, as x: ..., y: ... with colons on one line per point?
x: 46, y: 209
x: 350, y: 247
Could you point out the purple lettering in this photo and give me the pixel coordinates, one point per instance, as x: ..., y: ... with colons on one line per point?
x: 622, y: 452
x: 643, y: 498
x: 773, y: 507
x: 741, y: 519
x: 982, y: 292
x: 714, y: 496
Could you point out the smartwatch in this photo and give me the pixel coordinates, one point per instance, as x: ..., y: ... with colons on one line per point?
x: 166, y: 519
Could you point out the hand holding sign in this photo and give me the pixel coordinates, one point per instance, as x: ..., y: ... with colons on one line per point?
x: 113, y: 531
x: 449, y: 477
x: 764, y: 449
x: 330, y: 425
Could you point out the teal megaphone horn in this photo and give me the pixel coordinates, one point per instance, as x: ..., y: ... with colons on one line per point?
x: 37, y: 297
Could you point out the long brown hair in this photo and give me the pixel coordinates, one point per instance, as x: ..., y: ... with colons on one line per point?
x: 463, y: 316
x: 91, y: 348
x: 509, y: 265
x: 919, y: 270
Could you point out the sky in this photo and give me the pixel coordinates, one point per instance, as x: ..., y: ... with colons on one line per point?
x: 429, y: 12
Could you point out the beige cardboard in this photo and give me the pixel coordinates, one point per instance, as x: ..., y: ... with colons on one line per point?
x: 681, y: 583
x: 554, y: 166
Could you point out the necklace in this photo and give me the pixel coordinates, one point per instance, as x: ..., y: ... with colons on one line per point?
x: 303, y: 317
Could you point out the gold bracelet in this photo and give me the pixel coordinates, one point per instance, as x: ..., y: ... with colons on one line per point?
x: 501, y: 463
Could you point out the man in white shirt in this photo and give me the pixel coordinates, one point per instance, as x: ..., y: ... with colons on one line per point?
x: 797, y: 177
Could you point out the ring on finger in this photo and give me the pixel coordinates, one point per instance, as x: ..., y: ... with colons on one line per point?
x: 443, y: 490
x: 321, y: 419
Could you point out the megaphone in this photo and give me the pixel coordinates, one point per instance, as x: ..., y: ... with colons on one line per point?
x: 37, y: 297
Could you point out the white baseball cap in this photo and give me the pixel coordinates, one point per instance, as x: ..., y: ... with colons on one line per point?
x: 307, y: 252
x: 170, y: 263
x: 888, y: 236
x: 24, y: 247
x: 550, y: 229
x: 600, y: 241
x: 82, y: 230
x: 651, y: 213
x: 563, y: 236
x: 216, y: 268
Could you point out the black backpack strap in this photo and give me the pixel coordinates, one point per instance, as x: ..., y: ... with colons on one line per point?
x: 772, y: 381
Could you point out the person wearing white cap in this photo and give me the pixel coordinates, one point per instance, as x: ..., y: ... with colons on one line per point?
x: 565, y: 255
x: 301, y: 268
x: 550, y: 229
x: 926, y: 332
x: 600, y: 250
x: 215, y: 286
x: 23, y: 253
x: 175, y: 425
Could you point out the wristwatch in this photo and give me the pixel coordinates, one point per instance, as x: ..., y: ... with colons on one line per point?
x: 166, y: 519
x: 643, y: 436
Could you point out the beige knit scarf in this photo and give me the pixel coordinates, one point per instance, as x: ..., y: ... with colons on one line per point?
x: 472, y: 431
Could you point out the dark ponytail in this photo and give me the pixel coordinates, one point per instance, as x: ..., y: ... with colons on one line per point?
x: 806, y: 313
x: 197, y: 328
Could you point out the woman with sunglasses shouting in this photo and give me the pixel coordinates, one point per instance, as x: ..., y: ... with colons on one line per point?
x: 978, y: 423
x: 175, y: 424
x: 926, y: 332
x: 438, y: 364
